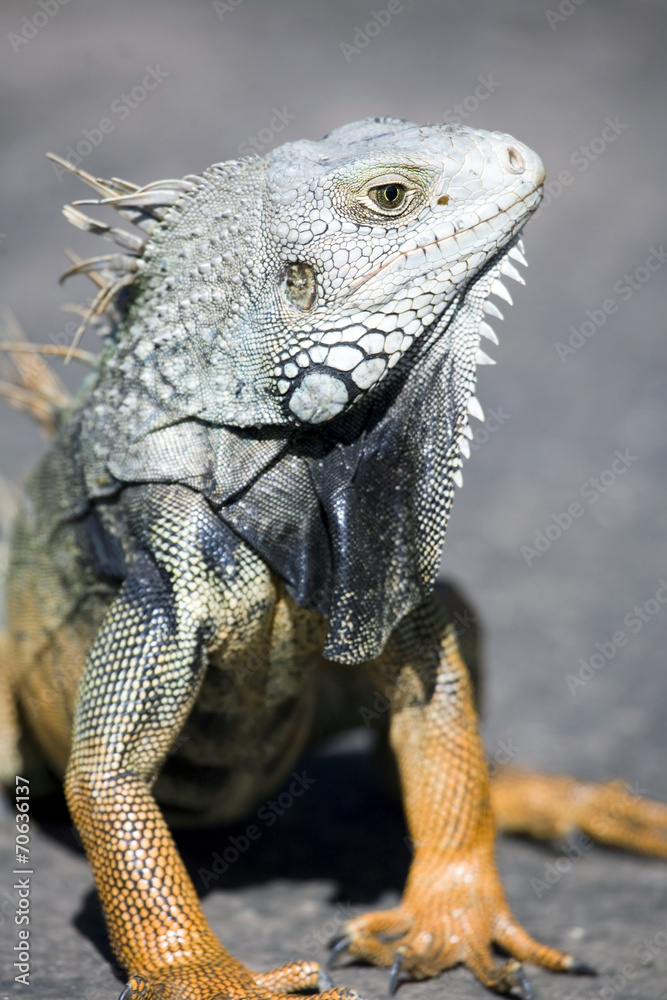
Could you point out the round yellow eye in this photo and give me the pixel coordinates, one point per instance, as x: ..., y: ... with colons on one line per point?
x: 389, y: 196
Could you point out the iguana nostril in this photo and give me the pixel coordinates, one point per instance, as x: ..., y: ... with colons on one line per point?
x: 515, y: 160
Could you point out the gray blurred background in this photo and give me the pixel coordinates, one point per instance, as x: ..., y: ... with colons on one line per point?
x: 580, y: 376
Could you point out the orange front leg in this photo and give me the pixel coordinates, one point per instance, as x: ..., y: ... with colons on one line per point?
x: 453, y: 907
x: 140, y: 682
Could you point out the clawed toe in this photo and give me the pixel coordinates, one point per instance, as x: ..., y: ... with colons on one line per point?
x: 399, y: 939
x: 522, y: 988
x: 395, y: 972
x: 581, y: 968
x: 339, y: 945
x: 137, y: 989
x: 324, y: 981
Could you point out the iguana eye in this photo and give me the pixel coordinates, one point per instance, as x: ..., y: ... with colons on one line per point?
x: 388, y: 197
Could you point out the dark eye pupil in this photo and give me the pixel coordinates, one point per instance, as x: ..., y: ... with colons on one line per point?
x: 388, y: 196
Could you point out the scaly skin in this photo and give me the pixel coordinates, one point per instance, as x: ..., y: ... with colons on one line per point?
x: 254, y: 482
x: 453, y: 907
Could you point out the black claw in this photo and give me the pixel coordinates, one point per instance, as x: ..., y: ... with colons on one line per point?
x: 582, y: 969
x: 324, y: 981
x: 340, y: 945
x: 396, y: 967
x: 127, y: 993
x: 523, y: 987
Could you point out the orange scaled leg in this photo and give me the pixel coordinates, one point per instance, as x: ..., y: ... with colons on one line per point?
x: 551, y: 806
x: 453, y: 907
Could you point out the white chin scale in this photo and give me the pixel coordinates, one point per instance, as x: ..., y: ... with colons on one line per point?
x: 319, y: 397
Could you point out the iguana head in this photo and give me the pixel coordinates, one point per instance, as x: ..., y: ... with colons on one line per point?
x: 278, y: 290
x: 300, y: 343
x: 374, y: 231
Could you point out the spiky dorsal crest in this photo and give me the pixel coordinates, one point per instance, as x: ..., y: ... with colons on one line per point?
x: 26, y: 381
x: 144, y: 207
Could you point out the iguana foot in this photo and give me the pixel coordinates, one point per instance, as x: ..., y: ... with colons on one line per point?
x: 224, y: 981
x: 551, y: 806
x: 450, y: 916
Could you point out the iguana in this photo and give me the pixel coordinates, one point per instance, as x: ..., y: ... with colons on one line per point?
x: 249, y: 494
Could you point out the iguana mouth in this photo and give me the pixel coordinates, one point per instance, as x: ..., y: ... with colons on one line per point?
x: 438, y: 241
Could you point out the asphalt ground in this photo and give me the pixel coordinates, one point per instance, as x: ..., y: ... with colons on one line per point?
x: 580, y: 378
